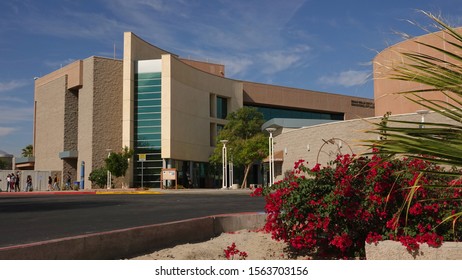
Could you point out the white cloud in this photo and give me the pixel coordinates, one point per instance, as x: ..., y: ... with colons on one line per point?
x: 346, y: 78
x: 4, y: 131
x: 59, y: 64
x: 235, y: 67
x: 11, y: 85
x: 276, y: 61
x: 11, y: 114
x: 12, y: 99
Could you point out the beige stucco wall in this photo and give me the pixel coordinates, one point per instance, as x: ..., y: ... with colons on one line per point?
x: 385, y: 89
x: 187, y: 135
x: 85, y: 127
x: 49, y: 122
x: 73, y: 71
x: 305, y: 143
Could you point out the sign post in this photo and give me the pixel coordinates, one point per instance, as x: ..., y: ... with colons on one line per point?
x: 142, y: 158
x: 168, y: 174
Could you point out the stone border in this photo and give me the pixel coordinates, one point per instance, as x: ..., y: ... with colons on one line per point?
x: 131, y: 242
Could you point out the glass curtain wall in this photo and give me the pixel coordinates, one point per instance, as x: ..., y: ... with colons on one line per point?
x: 271, y: 113
x: 148, y: 125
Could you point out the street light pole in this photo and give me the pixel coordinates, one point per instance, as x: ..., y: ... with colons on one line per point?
x: 271, y: 155
x: 231, y: 172
x: 109, y: 175
x: 224, y: 160
x: 422, y: 114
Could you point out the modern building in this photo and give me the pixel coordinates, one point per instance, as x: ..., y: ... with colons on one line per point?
x: 167, y: 109
x: 385, y: 88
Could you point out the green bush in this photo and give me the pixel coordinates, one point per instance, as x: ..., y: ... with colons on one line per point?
x: 99, y: 177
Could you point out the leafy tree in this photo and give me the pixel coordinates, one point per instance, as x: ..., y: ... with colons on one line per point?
x: 28, y: 151
x: 3, y: 164
x: 246, y: 142
x: 117, y: 163
x: 99, y: 177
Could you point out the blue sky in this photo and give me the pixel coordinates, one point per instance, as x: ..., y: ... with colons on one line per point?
x: 323, y: 45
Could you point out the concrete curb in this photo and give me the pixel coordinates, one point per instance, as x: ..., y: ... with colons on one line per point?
x: 131, y: 242
x: 127, y: 192
x: 74, y: 193
x: 46, y: 193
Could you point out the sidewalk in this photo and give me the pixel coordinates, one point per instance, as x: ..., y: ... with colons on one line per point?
x: 154, y: 191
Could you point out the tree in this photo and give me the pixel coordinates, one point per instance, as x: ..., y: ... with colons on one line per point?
x: 99, y: 177
x: 440, y: 143
x: 3, y: 164
x: 246, y: 142
x: 28, y: 151
x: 117, y: 163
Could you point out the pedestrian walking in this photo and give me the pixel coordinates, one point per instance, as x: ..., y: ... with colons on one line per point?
x: 17, y: 187
x: 50, y: 181
x: 8, y: 179
x: 55, y: 184
x: 68, y: 182
x: 28, y: 183
x: 12, y: 182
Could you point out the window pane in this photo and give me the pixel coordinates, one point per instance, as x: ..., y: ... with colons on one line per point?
x: 222, y: 107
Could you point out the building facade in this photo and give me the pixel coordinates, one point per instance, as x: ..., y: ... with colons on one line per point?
x: 167, y: 109
x: 317, y: 142
x: 385, y: 89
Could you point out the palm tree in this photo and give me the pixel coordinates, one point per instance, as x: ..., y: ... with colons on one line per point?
x: 28, y: 151
x: 440, y: 143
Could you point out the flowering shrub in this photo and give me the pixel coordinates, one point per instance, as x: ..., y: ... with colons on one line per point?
x: 332, y: 211
x: 232, y: 251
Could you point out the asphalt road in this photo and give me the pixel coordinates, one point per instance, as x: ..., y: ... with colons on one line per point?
x: 26, y: 219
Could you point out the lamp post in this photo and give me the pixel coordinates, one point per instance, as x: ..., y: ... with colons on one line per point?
x: 224, y: 160
x: 422, y: 113
x: 271, y: 155
x: 109, y: 175
x: 231, y: 169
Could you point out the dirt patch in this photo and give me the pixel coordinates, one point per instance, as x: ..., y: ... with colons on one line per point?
x: 258, y: 246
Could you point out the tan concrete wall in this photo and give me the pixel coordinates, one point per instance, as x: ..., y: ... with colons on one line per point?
x: 278, y: 96
x: 49, y: 122
x: 385, y: 89
x: 296, y: 142
x: 187, y: 135
x: 85, y: 127
x: 212, y: 68
x: 73, y: 70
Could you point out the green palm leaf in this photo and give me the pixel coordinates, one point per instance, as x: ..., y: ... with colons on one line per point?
x: 440, y: 143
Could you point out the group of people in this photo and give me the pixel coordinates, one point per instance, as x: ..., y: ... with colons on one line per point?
x: 13, y: 182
